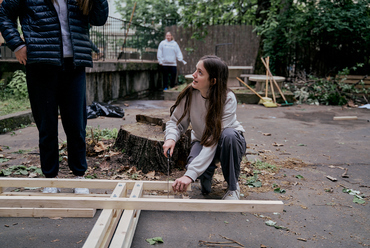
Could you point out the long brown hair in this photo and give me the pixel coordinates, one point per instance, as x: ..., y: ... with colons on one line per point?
x: 84, y: 5
x: 218, y: 72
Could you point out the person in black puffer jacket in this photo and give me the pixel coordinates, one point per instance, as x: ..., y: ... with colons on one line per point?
x: 55, y: 49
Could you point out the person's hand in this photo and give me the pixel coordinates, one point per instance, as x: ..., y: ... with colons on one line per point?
x: 181, y: 184
x: 184, y: 62
x: 169, y: 144
x: 21, y: 55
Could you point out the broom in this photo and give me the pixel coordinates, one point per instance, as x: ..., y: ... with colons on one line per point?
x: 266, y: 102
x: 276, y: 84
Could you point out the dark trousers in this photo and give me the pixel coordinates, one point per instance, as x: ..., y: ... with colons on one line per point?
x: 169, y: 73
x: 50, y: 87
x: 230, y: 150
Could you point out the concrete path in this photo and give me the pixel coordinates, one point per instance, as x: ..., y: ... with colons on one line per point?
x: 317, y: 212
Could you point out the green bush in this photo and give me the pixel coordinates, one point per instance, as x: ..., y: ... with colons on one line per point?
x: 18, y: 85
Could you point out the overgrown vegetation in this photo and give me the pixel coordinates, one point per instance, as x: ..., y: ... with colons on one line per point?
x: 14, y: 95
x: 331, y: 90
x: 20, y: 170
x: 101, y: 134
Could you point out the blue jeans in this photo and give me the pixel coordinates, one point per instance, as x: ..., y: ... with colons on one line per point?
x: 50, y: 87
x: 230, y: 150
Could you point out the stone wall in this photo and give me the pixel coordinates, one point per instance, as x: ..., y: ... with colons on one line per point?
x: 109, y: 80
x: 112, y: 80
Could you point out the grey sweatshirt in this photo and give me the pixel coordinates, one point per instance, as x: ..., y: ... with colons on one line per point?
x: 198, y: 112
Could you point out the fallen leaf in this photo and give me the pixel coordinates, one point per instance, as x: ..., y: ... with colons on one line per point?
x: 32, y: 175
x: 266, y: 134
x: 301, y: 239
x: 111, y: 153
x: 150, y: 175
x: 104, y: 167
x: 99, y: 147
x: 55, y: 240
x: 277, y: 144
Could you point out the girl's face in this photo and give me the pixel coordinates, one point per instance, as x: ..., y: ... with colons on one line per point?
x: 201, y: 80
x: 168, y: 36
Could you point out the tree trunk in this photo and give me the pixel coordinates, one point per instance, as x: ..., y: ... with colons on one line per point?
x: 143, y: 143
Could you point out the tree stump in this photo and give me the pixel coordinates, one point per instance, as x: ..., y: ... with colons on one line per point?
x: 143, y: 143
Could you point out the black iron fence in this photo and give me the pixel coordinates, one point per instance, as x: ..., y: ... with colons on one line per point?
x: 117, y: 39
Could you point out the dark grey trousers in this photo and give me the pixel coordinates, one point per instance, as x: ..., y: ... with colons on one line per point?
x: 230, y: 150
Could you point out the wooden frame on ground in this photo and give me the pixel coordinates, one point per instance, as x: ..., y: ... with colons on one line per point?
x: 117, y: 222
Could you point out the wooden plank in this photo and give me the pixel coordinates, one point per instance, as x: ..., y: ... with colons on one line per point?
x: 128, y: 222
x: 48, y: 212
x: 104, y: 227
x: 142, y: 204
x: 350, y: 81
x: 81, y: 183
x: 343, y: 118
x: 24, y: 193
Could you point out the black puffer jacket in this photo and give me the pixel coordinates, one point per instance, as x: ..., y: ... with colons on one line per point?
x: 42, y: 33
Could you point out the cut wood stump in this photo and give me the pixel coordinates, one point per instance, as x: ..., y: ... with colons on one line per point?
x: 143, y: 143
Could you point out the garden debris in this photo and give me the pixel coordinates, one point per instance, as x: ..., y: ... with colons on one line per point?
x: 332, y: 178
x: 344, y: 118
x: 266, y: 134
x: 356, y: 195
x: 103, y: 109
x: 344, y: 175
x: 277, y: 144
x: 301, y: 239
x: 154, y: 240
x: 273, y: 224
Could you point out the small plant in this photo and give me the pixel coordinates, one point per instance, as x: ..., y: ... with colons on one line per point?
x: 254, y: 182
x: 20, y: 170
x: 18, y: 85
x: 259, y: 165
x: 99, y: 134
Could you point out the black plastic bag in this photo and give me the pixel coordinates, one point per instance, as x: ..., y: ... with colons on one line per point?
x: 103, y: 109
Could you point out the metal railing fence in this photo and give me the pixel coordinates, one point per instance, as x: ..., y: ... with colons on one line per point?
x: 117, y: 39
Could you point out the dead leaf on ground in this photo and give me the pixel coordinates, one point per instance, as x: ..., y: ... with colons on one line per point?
x: 111, y: 153
x: 55, y: 240
x: 266, y: 134
x: 150, y: 175
x: 277, y: 144
x: 219, y: 177
x: 33, y: 175
x: 99, y: 147
x: 105, y: 166
x: 132, y: 170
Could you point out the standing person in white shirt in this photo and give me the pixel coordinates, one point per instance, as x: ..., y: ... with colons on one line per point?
x: 168, y: 52
x: 210, y: 107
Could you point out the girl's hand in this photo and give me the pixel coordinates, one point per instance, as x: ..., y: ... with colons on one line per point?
x: 181, y: 184
x: 168, y: 144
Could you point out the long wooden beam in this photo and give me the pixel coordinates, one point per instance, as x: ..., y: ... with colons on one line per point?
x: 142, y: 204
x: 82, y: 183
x: 104, y: 227
x: 127, y: 225
x: 48, y: 212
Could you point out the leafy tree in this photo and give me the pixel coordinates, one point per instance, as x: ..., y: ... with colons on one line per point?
x: 149, y: 13
x: 318, y: 37
x: 200, y: 13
